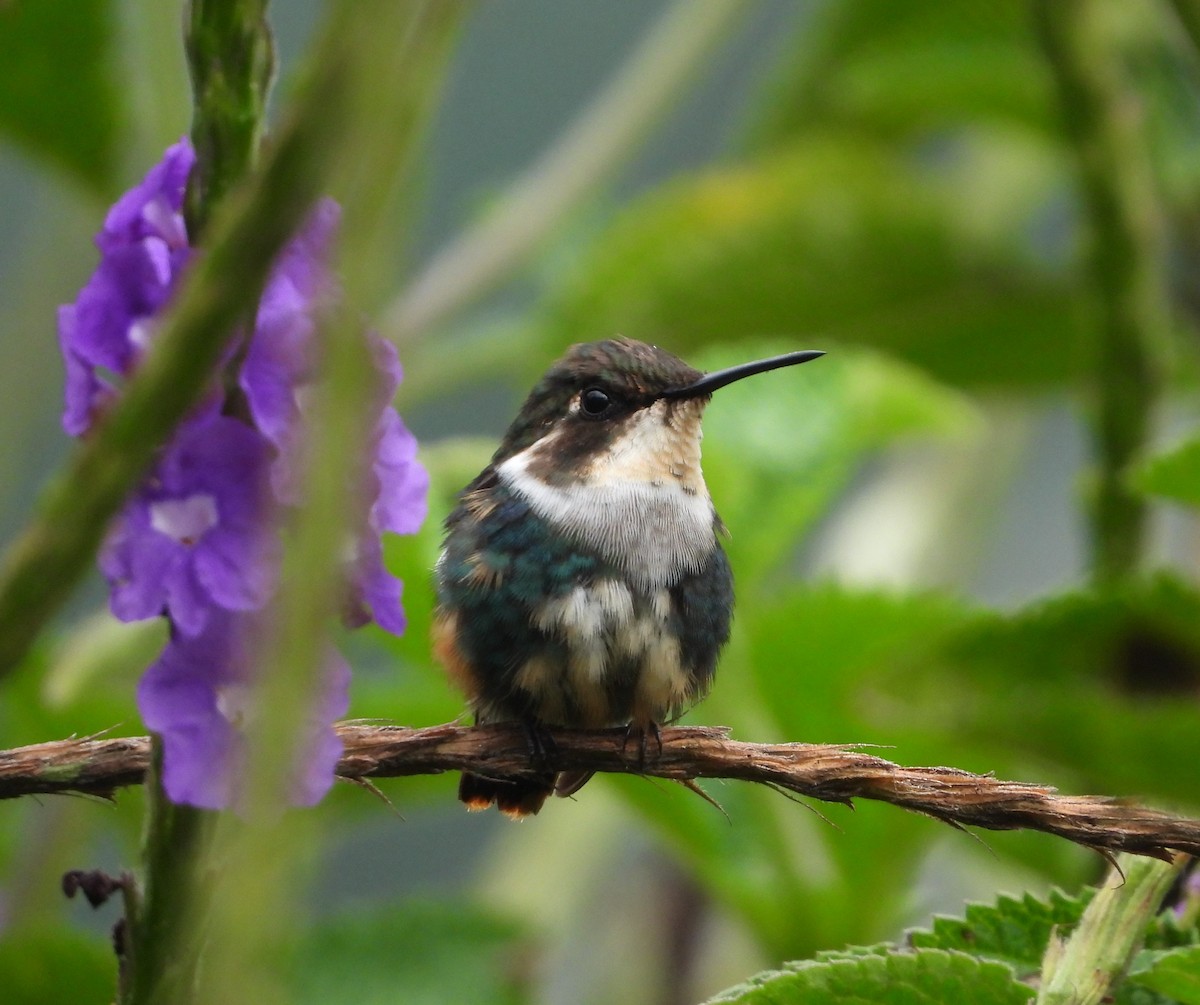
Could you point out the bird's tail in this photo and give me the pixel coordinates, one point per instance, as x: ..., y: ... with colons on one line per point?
x: 514, y: 797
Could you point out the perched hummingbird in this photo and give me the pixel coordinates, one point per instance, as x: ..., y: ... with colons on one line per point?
x: 582, y: 582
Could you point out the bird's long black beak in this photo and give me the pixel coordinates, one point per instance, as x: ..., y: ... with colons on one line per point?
x: 719, y: 378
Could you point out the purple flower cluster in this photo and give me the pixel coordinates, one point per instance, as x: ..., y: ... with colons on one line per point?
x: 199, y: 541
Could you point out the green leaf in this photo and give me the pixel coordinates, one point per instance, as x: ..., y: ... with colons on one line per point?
x: 415, y: 952
x: 927, y: 976
x: 1010, y: 931
x: 1170, y: 930
x: 1100, y: 681
x: 903, y: 68
x: 31, y: 713
x: 841, y: 240
x: 812, y: 649
x: 1063, y: 692
x: 1174, y: 972
x: 102, y: 652
x: 803, y: 660
x: 56, y: 965
x: 811, y: 654
x: 1128, y: 993
x: 778, y: 450
x: 59, y: 96
x: 798, y: 657
x: 1174, y: 474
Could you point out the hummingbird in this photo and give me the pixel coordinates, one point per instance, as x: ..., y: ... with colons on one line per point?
x: 582, y: 582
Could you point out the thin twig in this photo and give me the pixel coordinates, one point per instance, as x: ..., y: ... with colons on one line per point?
x: 820, y: 771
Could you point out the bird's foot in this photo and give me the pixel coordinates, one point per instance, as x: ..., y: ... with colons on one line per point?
x: 641, y: 731
x: 539, y: 742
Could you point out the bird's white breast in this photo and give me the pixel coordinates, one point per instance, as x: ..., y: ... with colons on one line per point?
x: 641, y: 504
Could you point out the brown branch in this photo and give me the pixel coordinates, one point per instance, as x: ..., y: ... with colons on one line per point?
x: 821, y: 771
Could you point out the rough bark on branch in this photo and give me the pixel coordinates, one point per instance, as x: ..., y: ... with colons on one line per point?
x: 821, y: 771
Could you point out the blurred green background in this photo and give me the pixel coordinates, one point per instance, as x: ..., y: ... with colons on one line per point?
x: 890, y: 182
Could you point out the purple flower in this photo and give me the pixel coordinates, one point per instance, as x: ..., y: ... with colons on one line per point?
x: 143, y: 250
x: 152, y: 208
x: 199, y: 695
x: 374, y: 593
x: 1186, y: 904
x: 280, y: 363
x: 276, y: 377
x: 196, y: 537
x: 400, y: 500
x: 197, y: 543
x: 398, y: 488
x: 86, y: 393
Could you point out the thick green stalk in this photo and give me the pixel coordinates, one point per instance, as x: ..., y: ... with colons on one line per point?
x: 387, y: 59
x: 1188, y: 13
x: 231, y: 59
x: 1083, y: 970
x: 162, y: 959
x: 1102, y: 119
x: 230, y: 56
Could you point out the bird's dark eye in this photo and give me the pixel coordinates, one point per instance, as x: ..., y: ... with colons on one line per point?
x: 595, y: 402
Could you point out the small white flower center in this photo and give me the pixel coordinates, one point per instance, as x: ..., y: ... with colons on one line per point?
x: 185, y: 520
x: 142, y: 332
x: 159, y: 214
x: 235, y: 702
x: 304, y: 394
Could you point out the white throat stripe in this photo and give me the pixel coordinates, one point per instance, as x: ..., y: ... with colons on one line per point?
x: 653, y: 531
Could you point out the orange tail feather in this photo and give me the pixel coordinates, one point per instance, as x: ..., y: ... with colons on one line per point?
x: 514, y: 797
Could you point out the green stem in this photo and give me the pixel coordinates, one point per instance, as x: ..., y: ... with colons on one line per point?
x: 1188, y: 13
x: 161, y: 933
x: 230, y: 55
x: 1102, y: 119
x: 387, y: 59
x: 1084, y: 969
x: 231, y: 58
x: 590, y: 150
